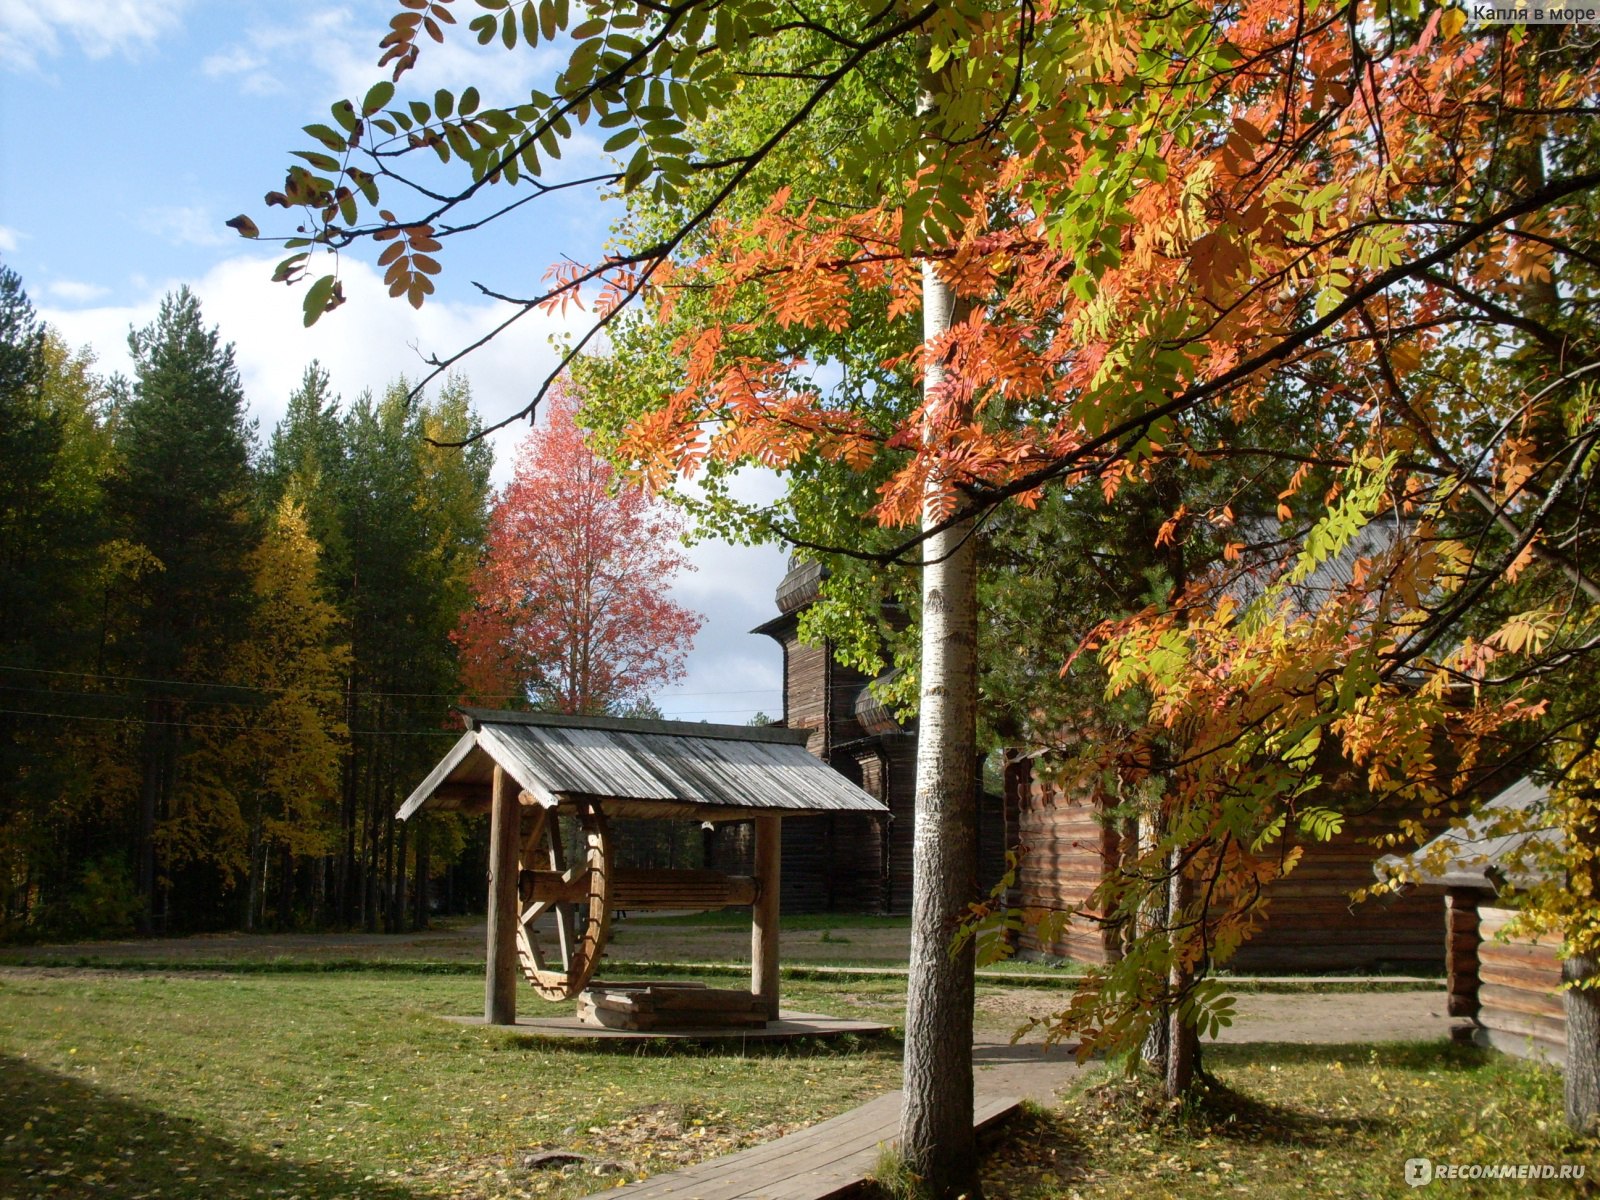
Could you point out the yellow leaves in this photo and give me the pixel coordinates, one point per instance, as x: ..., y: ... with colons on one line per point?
x: 1525, y: 632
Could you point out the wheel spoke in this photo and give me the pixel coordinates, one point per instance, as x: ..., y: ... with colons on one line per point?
x: 578, y: 897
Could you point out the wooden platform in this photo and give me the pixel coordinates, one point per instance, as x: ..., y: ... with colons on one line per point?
x: 788, y: 1025
x: 825, y: 1160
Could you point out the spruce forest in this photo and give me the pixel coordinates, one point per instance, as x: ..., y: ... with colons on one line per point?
x: 226, y: 654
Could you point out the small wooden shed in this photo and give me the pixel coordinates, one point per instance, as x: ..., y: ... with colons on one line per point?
x: 552, y: 783
x: 1507, y: 985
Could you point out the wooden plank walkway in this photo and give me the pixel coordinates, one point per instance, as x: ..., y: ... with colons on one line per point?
x: 822, y: 1161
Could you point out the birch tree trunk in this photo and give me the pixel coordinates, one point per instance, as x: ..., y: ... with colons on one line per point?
x: 936, y: 1136
x: 1152, y: 918
x: 1583, y: 1036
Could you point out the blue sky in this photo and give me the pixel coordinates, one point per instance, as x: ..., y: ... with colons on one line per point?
x: 130, y: 130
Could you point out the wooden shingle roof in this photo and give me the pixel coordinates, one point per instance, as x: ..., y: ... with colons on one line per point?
x: 1495, y: 848
x: 635, y: 768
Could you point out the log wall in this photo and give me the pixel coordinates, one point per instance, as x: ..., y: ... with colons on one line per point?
x: 1312, y: 925
x: 1309, y: 923
x: 1520, y: 1010
x: 1065, y: 849
x: 1461, y: 952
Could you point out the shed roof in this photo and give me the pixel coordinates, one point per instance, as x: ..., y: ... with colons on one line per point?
x: 636, y: 768
x: 1488, y: 851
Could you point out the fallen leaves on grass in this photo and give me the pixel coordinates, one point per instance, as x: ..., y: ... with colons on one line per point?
x: 648, y: 1141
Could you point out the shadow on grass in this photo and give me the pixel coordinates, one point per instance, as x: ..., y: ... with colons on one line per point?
x: 843, y: 1046
x: 64, y: 1137
x: 1221, y: 1111
x: 1037, y: 1153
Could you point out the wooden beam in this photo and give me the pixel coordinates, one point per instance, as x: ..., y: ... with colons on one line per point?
x: 500, y: 972
x: 764, y: 913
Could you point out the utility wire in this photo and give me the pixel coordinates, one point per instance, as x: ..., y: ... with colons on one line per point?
x: 247, y: 687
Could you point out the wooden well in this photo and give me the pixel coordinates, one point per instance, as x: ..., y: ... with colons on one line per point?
x: 531, y: 772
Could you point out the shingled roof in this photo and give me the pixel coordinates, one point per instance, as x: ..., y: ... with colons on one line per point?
x: 635, y: 768
x: 1491, y: 850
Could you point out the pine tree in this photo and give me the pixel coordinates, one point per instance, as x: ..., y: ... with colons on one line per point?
x: 181, y: 489
x: 52, y: 447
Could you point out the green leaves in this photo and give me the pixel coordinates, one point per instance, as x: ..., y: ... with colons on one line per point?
x: 325, y: 295
x: 377, y: 96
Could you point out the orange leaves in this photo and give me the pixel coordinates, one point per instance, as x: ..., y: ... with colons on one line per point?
x: 570, y: 603
x: 1515, y: 465
x: 408, y: 259
x: 399, y: 45
x: 1167, y: 534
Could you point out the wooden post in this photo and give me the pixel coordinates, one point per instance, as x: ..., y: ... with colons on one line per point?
x: 764, y: 914
x: 500, y: 973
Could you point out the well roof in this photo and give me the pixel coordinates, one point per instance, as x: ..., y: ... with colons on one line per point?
x: 638, y: 768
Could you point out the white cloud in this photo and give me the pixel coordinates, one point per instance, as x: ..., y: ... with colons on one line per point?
x: 342, y: 49
x: 187, y: 225
x: 73, y: 291
x: 31, y: 30
x: 367, y: 343
x: 10, y: 239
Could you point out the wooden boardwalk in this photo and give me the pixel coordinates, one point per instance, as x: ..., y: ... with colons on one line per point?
x: 825, y: 1160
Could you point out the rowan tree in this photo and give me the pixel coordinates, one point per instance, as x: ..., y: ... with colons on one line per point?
x: 1123, y: 224
x: 571, y: 611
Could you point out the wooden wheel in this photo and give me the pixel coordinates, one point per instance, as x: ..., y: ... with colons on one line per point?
x: 580, y: 897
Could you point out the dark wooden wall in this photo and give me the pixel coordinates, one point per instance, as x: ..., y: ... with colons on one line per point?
x: 1066, y: 848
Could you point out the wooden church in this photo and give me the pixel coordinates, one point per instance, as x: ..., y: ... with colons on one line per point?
x: 851, y: 862
x: 847, y: 862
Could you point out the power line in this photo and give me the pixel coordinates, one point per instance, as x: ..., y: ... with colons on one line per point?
x: 365, y: 693
x: 232, y: 728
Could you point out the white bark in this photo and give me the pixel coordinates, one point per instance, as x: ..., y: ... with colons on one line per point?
x: 936, y: 1137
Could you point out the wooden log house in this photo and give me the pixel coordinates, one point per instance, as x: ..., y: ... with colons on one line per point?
x: 552, y: 784
x: 1309, y: 924
x: 843, y: 862
x: 1505, y: 986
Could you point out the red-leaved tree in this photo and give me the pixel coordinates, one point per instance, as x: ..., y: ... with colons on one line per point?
x: 570, y: 609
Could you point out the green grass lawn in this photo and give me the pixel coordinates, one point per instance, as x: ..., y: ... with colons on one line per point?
x: 298, y: 1084
x: 1300, y: 1121
x: 350, y: 1085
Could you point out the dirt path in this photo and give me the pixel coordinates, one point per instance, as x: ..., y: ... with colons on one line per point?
x: 1036, y: 1073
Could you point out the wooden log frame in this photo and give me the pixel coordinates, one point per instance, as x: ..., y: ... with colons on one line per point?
x: 764, y: 913
x: 1520, y: 1007
x: 645, y: 1006
x: 1461, y: 951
